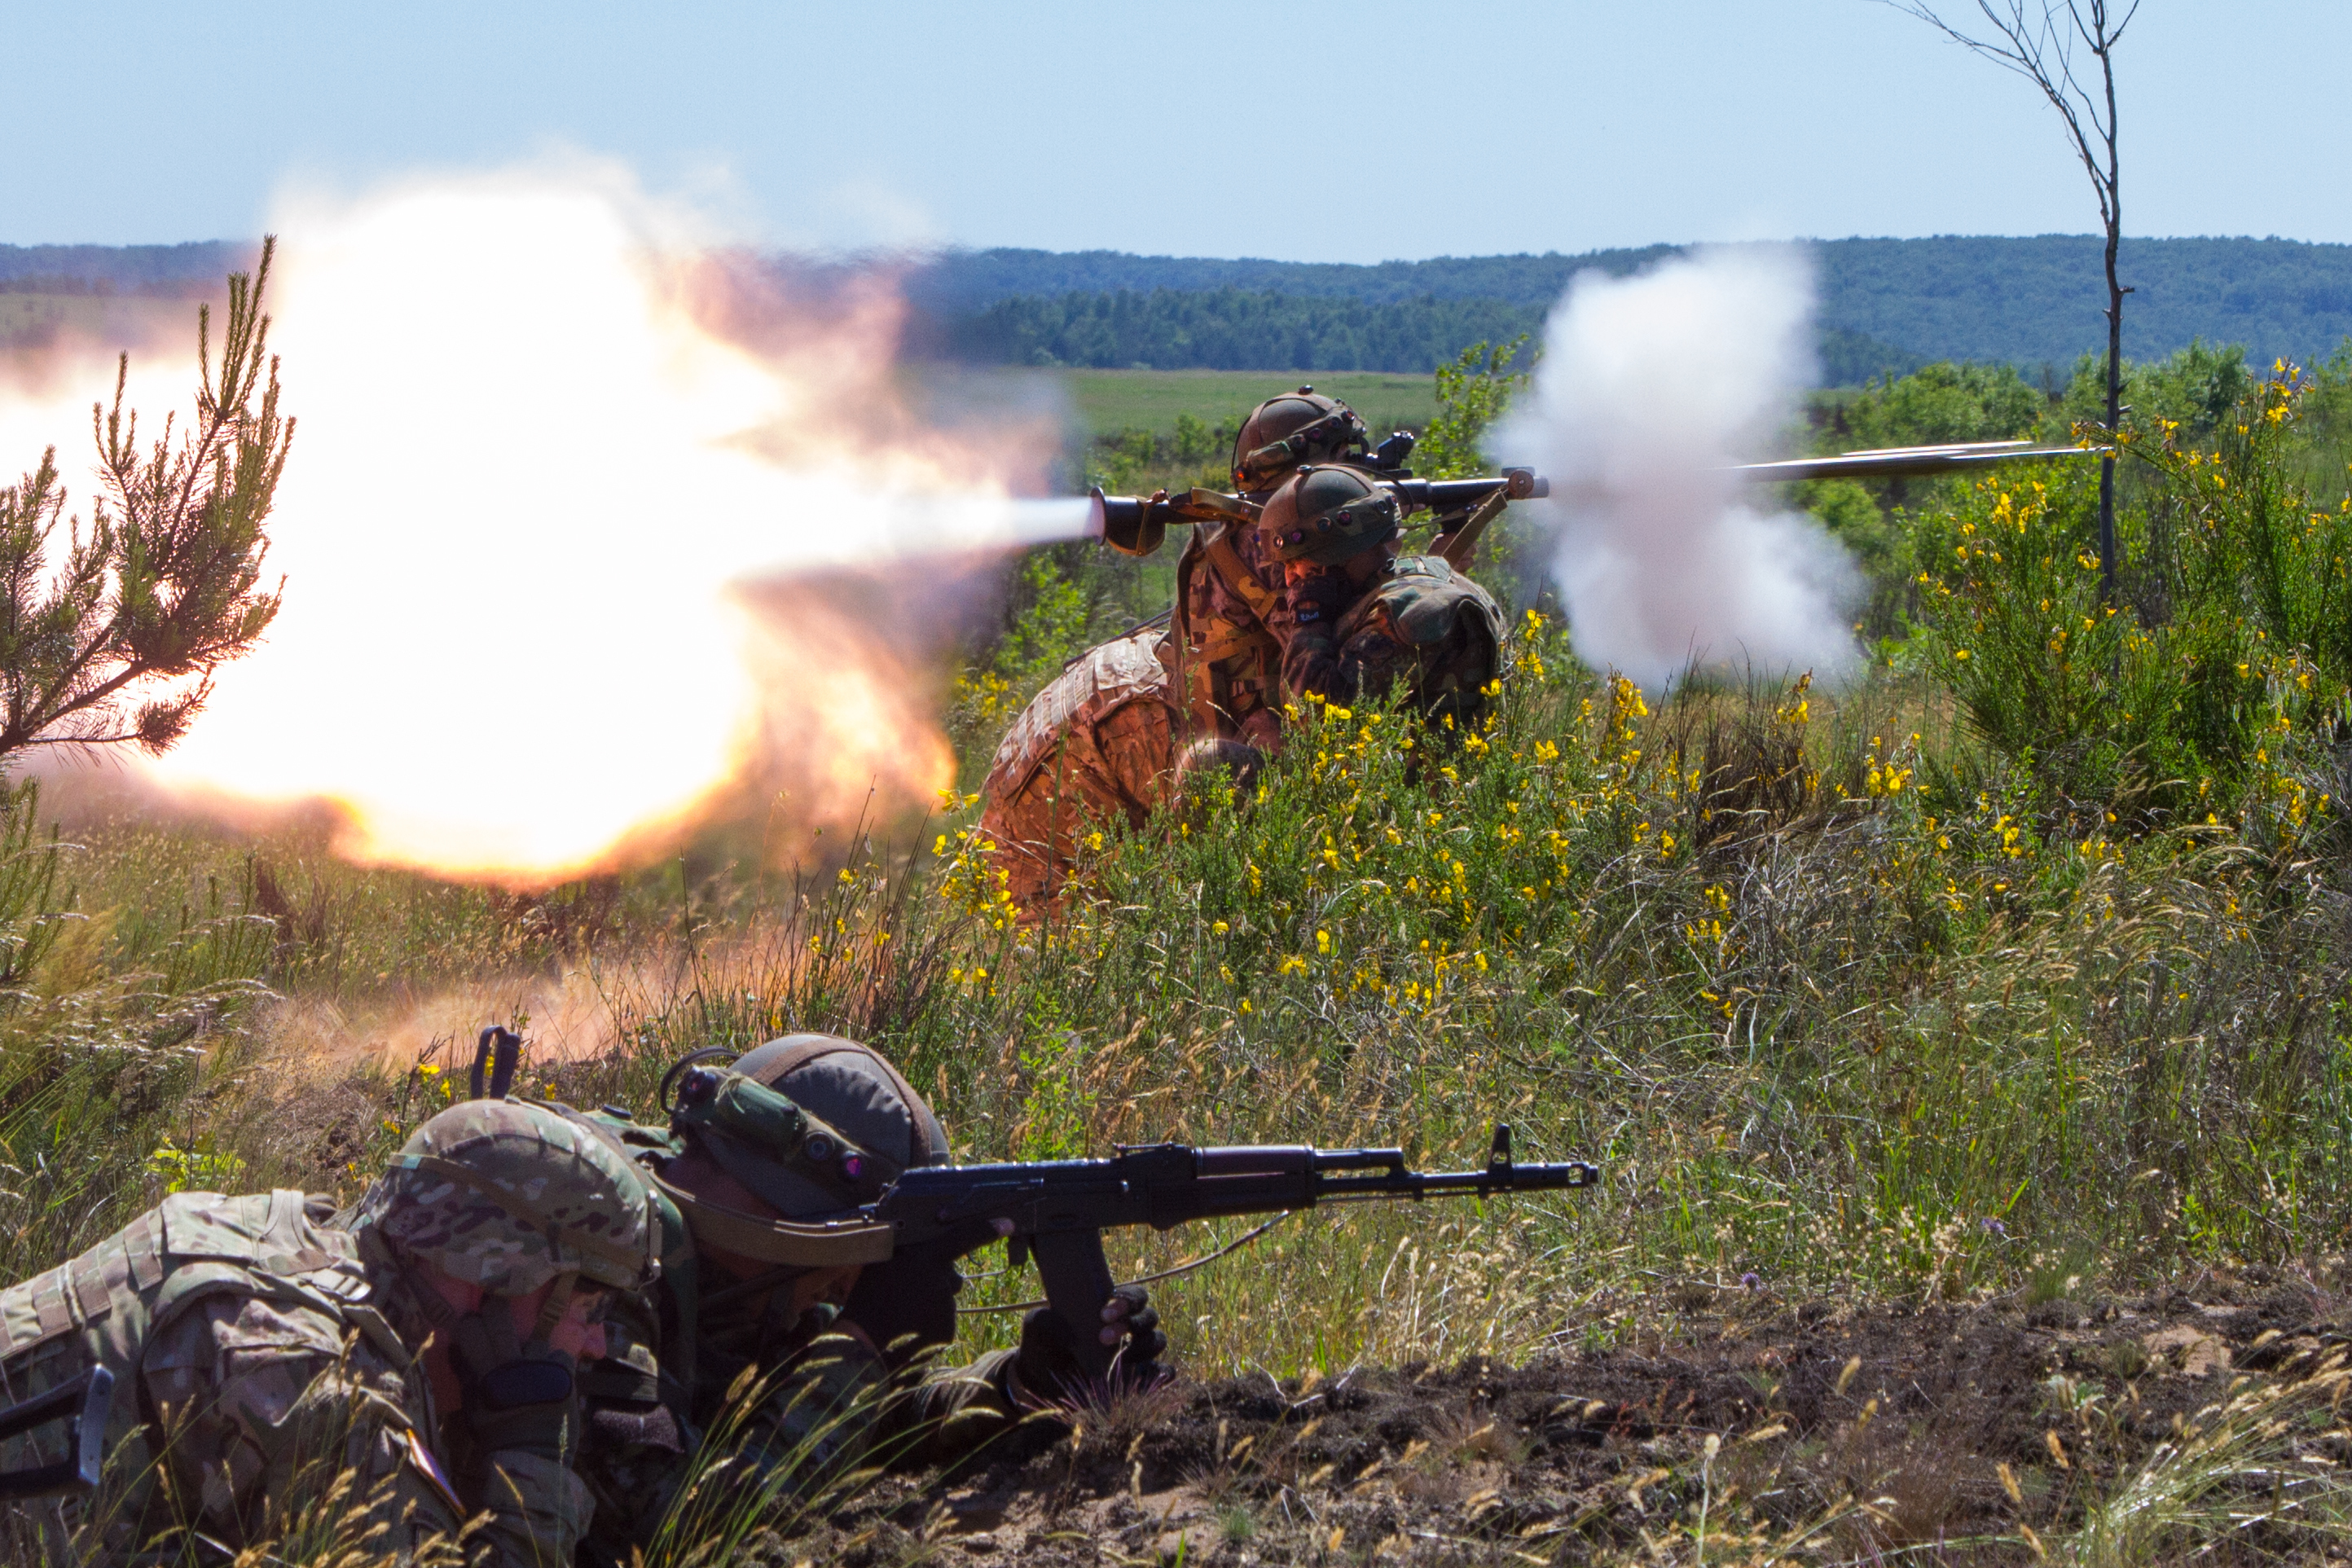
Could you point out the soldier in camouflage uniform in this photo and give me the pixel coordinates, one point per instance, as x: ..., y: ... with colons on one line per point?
x: 1363, y: 617
x: 1263, y: 621
x: 801, y: 1129
x: 261, y: 1353
x: 1110, y: 737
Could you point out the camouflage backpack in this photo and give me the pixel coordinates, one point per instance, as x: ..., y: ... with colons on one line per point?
x: 102, y: 1308
x: 1433, y: 626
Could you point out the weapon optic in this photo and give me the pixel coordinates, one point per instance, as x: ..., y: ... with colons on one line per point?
x: 1056, y: 1210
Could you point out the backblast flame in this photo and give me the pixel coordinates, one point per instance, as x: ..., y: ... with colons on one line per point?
x: 548, y: 454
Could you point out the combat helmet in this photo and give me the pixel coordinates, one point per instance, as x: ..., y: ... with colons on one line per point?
x: 813, y: 1125
x: 1325, y: 513
x: 1298, y: 427
x: 509, y: 1195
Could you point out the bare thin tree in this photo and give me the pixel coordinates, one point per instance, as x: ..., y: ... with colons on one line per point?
x: 2042, y: 42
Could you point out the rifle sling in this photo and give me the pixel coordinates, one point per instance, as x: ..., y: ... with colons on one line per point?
x: 1218, y: 545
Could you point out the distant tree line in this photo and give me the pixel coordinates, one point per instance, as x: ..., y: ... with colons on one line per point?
x: 1239, y: 330
x: 1886, y: 304
x: 2032, y: 302
x: 1229, y: 330
x: 160, y: 269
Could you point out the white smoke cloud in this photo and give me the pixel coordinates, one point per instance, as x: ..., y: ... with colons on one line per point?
x: 1649, y: 388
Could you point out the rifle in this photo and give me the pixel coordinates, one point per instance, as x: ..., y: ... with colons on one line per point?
x: 1056, y: 1210
x: 1135, y: 524
x: 80, y: 1402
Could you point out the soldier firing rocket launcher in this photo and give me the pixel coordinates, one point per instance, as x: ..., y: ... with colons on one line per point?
x: 1136, y: 525
x: 1462, y: 508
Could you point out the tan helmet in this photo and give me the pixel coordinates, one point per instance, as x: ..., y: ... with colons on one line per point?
x: 1325, y: 513
x: 509, y: 1195
x: 1283, y: 432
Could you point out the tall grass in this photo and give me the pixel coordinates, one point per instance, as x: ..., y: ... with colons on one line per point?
x: 2023, y: 971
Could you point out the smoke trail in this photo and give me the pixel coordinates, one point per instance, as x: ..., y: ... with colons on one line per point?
x: 547, y: 453
x: 1649, y: 389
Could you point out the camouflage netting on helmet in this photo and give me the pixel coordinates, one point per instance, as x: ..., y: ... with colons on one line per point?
x: 507, y: 1196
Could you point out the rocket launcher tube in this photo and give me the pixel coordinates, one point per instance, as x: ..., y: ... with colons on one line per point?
x: 1136, y: 525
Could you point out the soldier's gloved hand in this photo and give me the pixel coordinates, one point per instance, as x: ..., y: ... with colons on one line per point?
x: 515, y: 1399
x: 1048, y: 1367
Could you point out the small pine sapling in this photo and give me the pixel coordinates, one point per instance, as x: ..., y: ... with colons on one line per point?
x: 118, y: 642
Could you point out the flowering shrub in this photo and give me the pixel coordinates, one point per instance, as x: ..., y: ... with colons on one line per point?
x: 2178, y: 706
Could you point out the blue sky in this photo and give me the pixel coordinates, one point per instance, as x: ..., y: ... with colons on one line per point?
x: 1215, y: 130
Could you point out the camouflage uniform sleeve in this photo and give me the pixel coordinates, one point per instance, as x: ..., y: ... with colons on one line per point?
x: 538, y: 1514
x: 270, y: 1408
x: 632, y: 1454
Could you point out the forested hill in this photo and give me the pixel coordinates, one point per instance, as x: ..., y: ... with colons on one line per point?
x: 1885, y: 303
x: 121, y: 268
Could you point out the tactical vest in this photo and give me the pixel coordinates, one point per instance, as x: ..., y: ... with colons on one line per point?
x: 103, y: 1307
x: 1223, y: 659
x: 1452, y: 626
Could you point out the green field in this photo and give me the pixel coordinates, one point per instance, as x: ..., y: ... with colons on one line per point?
x: 1105, y: 402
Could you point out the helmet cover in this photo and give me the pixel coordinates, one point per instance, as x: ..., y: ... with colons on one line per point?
x: 507, y: 1196
x: 1283, y: 431
x: 1327, y: 513
x: 809, y: 1088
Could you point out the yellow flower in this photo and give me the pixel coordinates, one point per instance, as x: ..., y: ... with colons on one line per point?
x: 1220, y: 928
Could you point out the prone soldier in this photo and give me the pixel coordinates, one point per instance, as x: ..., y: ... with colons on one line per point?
x: 761, y: 1160
x: 421, y: 1355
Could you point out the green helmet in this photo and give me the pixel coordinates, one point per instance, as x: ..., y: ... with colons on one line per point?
x: 1283, y: 431
x: 1325, y: 514
x: 509, y: 1195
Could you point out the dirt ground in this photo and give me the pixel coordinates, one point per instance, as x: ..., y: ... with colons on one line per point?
x: 1828, y: 1431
